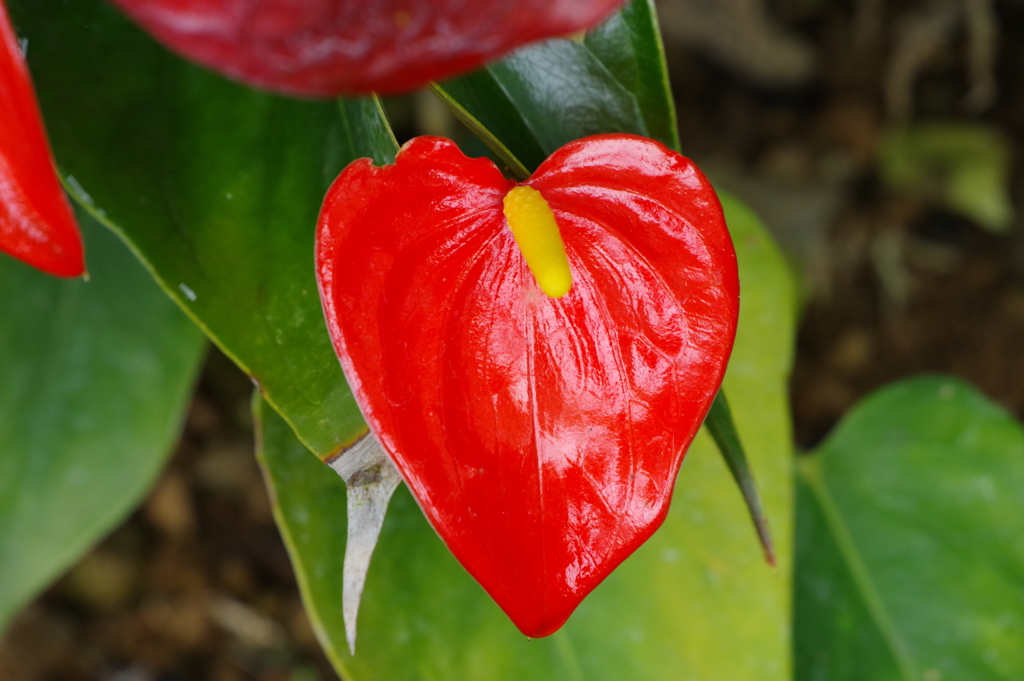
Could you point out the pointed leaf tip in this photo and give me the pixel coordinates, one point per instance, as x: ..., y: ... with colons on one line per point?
x: 723, y: 431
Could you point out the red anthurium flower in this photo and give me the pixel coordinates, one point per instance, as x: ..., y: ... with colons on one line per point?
x: 322, y: 48
x: 36, y: 222
x: 541, y: 435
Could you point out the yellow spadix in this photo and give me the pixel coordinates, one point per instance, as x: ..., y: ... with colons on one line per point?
x: 536, y: 233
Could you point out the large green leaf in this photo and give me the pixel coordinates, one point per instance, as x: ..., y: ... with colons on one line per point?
x: 215, y: 186
x: 629, y: 44
x: 910, y: 546
x: 548, y: 94
x: 697, y: 601
x: 94, y: 379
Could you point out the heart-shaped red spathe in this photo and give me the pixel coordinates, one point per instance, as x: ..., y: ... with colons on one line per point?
x: 322, y: 48
x: 541, y: 436
x: 36, y: 222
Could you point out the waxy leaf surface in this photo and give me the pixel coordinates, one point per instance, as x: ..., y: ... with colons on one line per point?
x: 546, y: 95
x: 94, y: 380
x: 36, y: 223
x: 329, y: 47
x: 539, y: 98
x: 541, y: 436
x: 695, y: 602
x: 215, y: 186
x: 910, y: 540
x: 629, y: 44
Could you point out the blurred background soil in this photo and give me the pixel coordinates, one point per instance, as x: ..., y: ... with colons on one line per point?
x: 789, y: 104
x: 196, y: 584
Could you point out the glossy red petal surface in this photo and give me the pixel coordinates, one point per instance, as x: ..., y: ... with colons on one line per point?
x: 541, y: 437
x: 323, y: 48
x: 36, y: 222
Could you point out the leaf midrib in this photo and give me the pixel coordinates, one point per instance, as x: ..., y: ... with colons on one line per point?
x: 809, y: 468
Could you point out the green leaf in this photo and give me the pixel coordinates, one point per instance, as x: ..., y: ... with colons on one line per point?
x: 910, y: 552
x: 215, y: 186
x: 551, y: 93
x: 94, y: 380
x: 479, y: 102
x: 563, y: 92
x: 696, y: 601
x: 367, y: 134
x: 629, y: 45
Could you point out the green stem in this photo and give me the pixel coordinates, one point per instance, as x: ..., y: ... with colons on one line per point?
x: 515, y: 166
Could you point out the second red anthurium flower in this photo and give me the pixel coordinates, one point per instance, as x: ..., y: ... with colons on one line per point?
x: 323, y: 48
x: 37, y: 225
x: 540, y: 426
